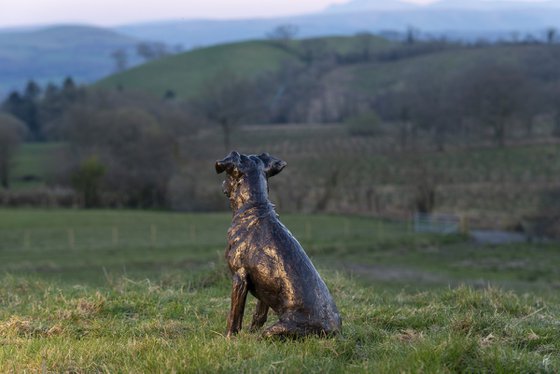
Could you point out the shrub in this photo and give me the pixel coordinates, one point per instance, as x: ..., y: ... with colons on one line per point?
x: 366, y: 124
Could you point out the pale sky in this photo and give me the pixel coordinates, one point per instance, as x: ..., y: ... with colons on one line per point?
x: 117, y: 12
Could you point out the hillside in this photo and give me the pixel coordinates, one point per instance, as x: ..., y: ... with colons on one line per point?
x: 51, y: 54
x: 376, y: 77
x: 187, y: 73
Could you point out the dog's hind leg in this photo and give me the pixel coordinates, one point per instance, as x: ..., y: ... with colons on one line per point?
x: 285, y: 329
x: 260, y: 316
x: 238, y: 298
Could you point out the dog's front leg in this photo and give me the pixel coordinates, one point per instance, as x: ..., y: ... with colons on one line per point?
x: 260, y: 316
x: 238, y: 297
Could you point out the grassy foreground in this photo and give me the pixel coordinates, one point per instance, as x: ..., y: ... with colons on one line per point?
x: 75, y: 297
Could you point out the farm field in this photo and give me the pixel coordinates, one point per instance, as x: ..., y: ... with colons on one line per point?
x: 132, y: 291
x: 493, y: 187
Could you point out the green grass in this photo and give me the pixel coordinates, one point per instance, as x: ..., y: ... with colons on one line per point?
x: 187, y: 74
x: 33, y: 163
x: 376, y: 77
x: 76, y: 298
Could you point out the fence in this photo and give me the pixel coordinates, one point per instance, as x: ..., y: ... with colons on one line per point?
x: 439, y: 223
x: 312, y: 231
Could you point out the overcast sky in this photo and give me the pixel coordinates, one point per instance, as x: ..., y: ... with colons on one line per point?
x: 116, y: 12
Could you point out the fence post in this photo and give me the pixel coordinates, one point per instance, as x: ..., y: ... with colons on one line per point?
x: 27, y: 240
x: 193, y: 232
x: 153, y: 235
x: 346, y: 228
x: 71, y: 238
x: 464, y: 224
x: 115, y: 235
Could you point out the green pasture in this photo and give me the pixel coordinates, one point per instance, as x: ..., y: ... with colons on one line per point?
x: 186, y: 74
x: 131, y: 291
x: 33, y: 162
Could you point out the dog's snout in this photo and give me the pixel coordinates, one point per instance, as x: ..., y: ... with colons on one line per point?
x: 220, y: 167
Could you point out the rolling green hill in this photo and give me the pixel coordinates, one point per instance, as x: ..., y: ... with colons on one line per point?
x: 187, y: 73
x: 377, y: 76
x: 392, y: 65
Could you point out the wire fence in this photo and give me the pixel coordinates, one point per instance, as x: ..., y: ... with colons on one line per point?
x: 158, y: 235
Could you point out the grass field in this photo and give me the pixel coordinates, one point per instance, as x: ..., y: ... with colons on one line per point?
x: 494, y: 187
x: 32, y: 164
x: 188, y: 73
x: 108, y: 291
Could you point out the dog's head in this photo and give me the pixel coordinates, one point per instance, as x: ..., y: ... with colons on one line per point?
x: 247, y: 175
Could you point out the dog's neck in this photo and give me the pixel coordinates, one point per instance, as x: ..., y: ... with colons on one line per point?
x: 251, y: 197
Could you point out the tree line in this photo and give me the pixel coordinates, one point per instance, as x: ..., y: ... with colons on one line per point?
x: 127, y: 149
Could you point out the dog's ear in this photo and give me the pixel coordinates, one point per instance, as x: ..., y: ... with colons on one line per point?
x: 272, y: 165
x: 229, y: 164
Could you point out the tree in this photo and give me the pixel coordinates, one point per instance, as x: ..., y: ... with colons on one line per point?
x: 493, y: 95
x: 25, y: 107
x: 366, y: 45
x: 133, y: 137
x: 151, y: 50
x: 430, y: 103
x: 227, y: 101
x: 365, y: 124
x: 12, y: 132
x: 284, y: 32
x: 87, y: 181
x: 395, y: 107
x: 120, y: 56
x: 551, y: 34
x: 313, y: 50
x: 282, y: 35
x: 412, y: 35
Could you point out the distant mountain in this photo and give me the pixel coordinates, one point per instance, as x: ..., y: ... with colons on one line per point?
x: 495, y: 4
x: 378, y: 5
x: 458, y: 19
x: 52, y: 53
x: 392, y: 5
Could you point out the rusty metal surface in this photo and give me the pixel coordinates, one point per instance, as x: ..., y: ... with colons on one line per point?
x: 266, y: 260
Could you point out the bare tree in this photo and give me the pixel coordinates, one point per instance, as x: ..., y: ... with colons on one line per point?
x: 151, y: 50
x: 227, y: 101
x: 120, y: 56
x: 283, y: 32
x: 134, y: 144
x: 12, y: 132
x: 493, y: 96
x: 551, y: 34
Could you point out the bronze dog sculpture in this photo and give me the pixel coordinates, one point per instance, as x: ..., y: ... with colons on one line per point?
x: 267, y: 261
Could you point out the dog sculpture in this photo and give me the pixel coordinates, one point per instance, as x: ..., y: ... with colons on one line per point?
x: 266, y: 260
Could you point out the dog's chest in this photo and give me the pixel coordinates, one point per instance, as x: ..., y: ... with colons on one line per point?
x: 239, y: 244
